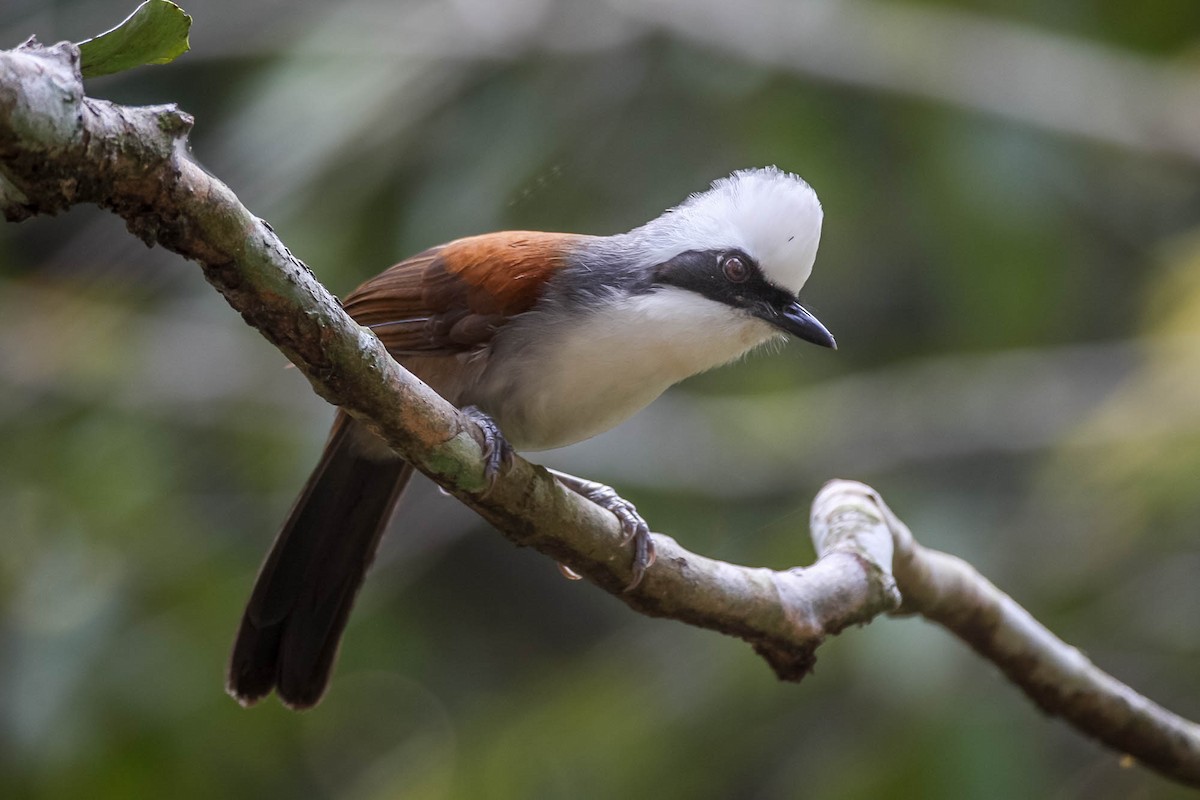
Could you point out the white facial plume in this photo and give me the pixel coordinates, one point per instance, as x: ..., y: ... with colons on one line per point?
x: 771, y: 215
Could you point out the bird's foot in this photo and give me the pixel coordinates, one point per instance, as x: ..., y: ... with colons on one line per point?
x: 497, y: 452
x: 633, y: 527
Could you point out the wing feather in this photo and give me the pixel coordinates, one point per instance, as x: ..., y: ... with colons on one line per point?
x: 453, y: 298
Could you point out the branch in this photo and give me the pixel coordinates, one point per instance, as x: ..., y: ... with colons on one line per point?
x: 1057, y: 677
x: 59, y: 148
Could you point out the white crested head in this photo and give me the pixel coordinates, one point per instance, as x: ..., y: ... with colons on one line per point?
x: 771, y: 215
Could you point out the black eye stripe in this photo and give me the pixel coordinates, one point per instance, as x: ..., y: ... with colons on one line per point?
x: 704, y: 272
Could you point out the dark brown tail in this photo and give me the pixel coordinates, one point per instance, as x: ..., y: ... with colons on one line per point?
x: 293, y: 623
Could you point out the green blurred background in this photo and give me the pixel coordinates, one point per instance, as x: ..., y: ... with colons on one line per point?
x: 1011, y: 263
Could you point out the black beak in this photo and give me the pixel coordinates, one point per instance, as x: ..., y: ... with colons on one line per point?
x: 795, y: 319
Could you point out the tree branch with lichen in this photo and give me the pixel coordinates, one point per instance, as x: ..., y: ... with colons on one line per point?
x: 59, y: 148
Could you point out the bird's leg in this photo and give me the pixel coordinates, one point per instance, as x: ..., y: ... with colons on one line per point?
x: 633, y: 527
x: 496, y: 450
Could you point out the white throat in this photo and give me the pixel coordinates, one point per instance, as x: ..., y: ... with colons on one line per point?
x: 577, y: 380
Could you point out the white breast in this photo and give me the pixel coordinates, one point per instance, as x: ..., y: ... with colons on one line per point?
x: 549, y: 384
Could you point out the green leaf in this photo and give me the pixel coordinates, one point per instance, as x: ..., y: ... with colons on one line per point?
x: 155, y: 33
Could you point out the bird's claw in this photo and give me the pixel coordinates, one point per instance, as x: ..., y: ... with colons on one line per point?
x: 633, y: 527
x: 497, y: 452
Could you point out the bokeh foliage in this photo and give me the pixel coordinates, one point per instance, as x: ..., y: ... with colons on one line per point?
x: 1019, y: 317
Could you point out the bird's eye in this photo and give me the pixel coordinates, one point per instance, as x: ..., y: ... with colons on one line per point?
x: 735, y: 269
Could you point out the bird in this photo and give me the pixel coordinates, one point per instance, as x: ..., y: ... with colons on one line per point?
x: 543, y: 339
